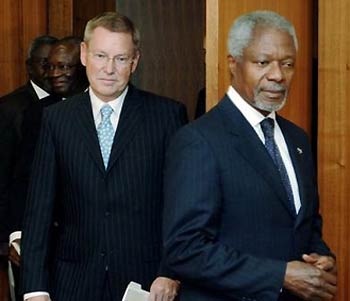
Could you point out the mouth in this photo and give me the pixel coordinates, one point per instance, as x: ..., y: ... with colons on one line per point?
x: 274, y: 94
x: 107, y: 81
x: 59, y: 83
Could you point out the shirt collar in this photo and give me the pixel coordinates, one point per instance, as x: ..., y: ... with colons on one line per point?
x: 97, y: 103
x: 253, y: 116
x: 41, y: 93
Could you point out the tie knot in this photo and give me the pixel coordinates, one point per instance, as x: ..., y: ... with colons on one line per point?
x: 267, y: 126
x: 106, y: 111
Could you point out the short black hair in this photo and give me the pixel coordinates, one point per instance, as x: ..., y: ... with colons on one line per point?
x: 38, y: 42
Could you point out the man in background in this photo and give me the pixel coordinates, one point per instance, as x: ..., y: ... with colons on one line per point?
x: 65, y: 71
x: 241, y: 218
x: 12, y: 107
x: 67, y: 77
x: 98, y: 169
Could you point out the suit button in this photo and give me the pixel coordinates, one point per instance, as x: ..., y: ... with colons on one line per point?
x: 103, y: 254
x: 107, y: 213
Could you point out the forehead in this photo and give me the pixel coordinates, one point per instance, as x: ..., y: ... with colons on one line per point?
x: 112, y: 42
x: 63, y: 53
x: 43, y: 51
x: 271, y: 41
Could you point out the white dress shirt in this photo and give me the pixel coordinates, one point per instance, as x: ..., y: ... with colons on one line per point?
x: 254, y: 117
x: 116, y: 105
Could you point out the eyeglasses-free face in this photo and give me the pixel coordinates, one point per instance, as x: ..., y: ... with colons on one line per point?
x: 37, y: 67
x: 110, y: 59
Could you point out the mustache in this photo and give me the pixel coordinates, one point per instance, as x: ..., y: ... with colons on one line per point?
x: 273, y: 87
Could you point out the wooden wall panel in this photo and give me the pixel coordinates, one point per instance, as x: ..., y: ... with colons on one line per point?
x: 60, y: 18
x: 172, y: 61
x: 20, y: 22
x: 23, y: 20
x: 84, y: 10
x: 299, y: 12
x: 333, y: 132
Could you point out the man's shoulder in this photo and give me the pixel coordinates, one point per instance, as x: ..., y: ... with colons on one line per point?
x: 288, y: 125
x: 153, y: 99
x: 67, y: 105
x: 209, y: 126
x: 17, y: 99
x: 14, y: 104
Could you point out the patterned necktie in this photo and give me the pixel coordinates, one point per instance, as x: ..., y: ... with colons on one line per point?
x: 105, y: 133
x: 267, y: 126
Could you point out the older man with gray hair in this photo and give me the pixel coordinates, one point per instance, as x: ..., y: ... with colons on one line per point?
x: 241, y: 218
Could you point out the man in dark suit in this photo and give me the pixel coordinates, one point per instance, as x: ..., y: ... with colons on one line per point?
x: 101, y: 176
x: 66, y: 76
x: 12, y: 107
x: 241, y: 218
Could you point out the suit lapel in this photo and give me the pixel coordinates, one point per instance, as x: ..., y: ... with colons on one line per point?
x: 248, y: 144
x: 130, y: 119
x: 87, y: 129
x: 31, y: 91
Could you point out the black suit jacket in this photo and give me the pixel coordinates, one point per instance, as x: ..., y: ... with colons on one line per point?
x: 108, y: 219
x: 18, y: 188
x: 12, y: 108
x: 228, y: 229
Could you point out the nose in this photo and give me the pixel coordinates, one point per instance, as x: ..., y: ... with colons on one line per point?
x: 110, y: 66
x: 275, y: 72
x: 55, y: 72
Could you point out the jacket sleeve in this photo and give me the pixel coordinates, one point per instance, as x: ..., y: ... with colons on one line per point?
x: 177, y: 119
x: 38, y: 214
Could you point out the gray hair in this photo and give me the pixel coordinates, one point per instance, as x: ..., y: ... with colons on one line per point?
x: 241, y: 32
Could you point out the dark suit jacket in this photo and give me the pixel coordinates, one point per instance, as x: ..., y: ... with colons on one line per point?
x: 12, y: 108
x: 228, y: 230
x: 108, y: 219
x: 17, y: 192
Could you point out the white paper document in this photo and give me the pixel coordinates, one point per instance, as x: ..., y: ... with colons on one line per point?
x: 134, y: 292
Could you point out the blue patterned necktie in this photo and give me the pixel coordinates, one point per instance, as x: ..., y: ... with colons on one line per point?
x: 105, y: 133
x: 267, y: 126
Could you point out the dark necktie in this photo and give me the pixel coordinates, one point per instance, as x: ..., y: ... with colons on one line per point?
x: 267, y: 126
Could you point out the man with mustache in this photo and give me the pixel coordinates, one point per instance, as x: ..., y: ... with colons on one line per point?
x: 241, y: 218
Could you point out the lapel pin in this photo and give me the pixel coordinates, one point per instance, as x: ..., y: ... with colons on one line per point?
x: 299, y: 150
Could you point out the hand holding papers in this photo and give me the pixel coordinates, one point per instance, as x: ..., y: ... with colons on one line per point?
x: 134, y: 292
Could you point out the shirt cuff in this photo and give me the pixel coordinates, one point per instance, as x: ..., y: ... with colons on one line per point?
x: 14, y: 236
x: 35, y: 294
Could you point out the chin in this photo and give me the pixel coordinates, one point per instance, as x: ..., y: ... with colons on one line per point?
x: 269, y: 106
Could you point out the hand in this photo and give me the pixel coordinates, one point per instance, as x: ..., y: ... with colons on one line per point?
x: 309, y: 282
x: 164, y: 289
x: 4, y: 286
x: 326, y: 263
x: 14, y: 257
